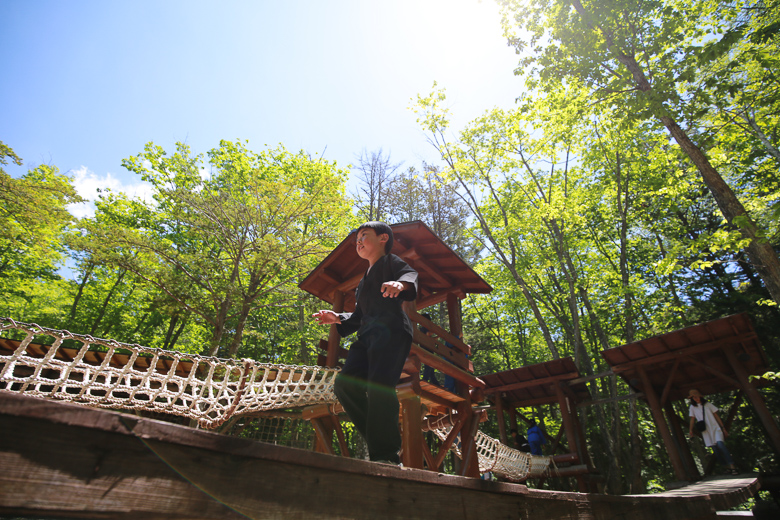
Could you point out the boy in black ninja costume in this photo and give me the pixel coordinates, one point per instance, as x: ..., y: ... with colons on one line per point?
x: 366, y: 385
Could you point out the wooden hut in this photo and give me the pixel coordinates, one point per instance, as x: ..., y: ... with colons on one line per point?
x: 714, y: 357
x: 553, y: 382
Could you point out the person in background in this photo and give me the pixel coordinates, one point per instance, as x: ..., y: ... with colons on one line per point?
x: 428, y: 373
x: 714, y: 432
x: 535, y: 438
x: 519, y: 442
x: 449, y: 381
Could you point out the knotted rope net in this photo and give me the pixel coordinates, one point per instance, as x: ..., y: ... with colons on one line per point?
x: 109, y: 374
x: 494, y: 456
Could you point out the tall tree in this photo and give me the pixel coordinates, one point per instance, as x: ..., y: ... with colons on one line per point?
x: 425, y: 195
x: 33, y: 219
x: 640, y: 56
x: 550, y: 196
x: 374, y: 171
x: 222, y: 242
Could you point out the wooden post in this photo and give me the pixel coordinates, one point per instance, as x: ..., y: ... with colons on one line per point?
x: 324, y: 436
x: 512, y: 417
x: 568, y: 423
x: 571, y: 425
x: 469, y: 450
x: 340, y: 434
x: 411, y: 423
x: 453, y: 312
x: 682, y: 442
x: 669, y: 381
x: 334, y: 340
x: 660, y: 423
x: 582, y: 446
x: 556, y: 443
x: 500, y: 418
x: 755, y: 397
x: 470, y: 466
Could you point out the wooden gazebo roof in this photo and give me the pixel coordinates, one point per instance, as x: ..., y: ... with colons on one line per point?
x: 440, y: 269
x: 534, y: 385
x: 691, y: 358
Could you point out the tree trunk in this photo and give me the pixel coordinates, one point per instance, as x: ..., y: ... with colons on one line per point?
x: 169, y: 333
x: 584, y: 362
x: 139, y: 325
x: 521, y: 337
x: 760, y: 251
x: 622, y: 207
x: 594, y: 319
x: 239, y: 335
x: 106, y: 301
x: 84, y: 280
x: 537, y: 313
x: 219, y: 327
x: 617, y: 421
x: 175, y: 337
x: 770, y: 148
x: 637, y: 485
x: 567, y: 267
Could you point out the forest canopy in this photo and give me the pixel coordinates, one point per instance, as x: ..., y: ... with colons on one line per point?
x: 632, y: 191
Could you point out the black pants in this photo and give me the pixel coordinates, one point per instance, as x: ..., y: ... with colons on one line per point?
x: 366, y: 389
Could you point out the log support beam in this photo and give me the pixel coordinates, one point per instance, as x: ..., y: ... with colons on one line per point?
x: 500, y: 419
x: 411, y: 423
x: 681, y: 440
x: 755, y: 398
x: 663, y: 427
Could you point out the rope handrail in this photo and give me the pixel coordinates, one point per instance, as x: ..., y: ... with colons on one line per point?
x: 207, y: 389
x: 210, y: 390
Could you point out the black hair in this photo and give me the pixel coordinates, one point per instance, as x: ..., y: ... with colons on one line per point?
x: 380, y: 228
x: 694, y: 403
x: 513, y: 430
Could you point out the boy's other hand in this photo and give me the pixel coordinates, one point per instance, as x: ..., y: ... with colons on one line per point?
x: 392, y: 289
x: 326, y: 317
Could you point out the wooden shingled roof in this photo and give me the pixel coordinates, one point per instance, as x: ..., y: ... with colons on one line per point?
x: 534, y: 385
x: 691, y: 358
x: 441, y: 270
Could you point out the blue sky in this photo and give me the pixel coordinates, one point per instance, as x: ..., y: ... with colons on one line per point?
x: 88, y: 83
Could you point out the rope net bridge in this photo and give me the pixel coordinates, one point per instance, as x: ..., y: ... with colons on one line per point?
x: 109, y: 374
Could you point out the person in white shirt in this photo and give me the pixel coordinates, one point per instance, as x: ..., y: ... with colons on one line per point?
x: 703, y: 412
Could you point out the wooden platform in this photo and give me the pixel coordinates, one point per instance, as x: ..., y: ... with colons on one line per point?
x: 59, y: 460
x: 724, y: 491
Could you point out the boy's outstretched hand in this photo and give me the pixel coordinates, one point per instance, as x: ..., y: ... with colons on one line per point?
x: 392, y: 289
x: 326, y: 317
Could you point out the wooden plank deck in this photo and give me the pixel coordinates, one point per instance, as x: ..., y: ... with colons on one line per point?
x: 725, y: 492
x: 59, y: 460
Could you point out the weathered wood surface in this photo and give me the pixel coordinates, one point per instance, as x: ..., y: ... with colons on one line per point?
x: 725, y: 492
x: 64, y: 460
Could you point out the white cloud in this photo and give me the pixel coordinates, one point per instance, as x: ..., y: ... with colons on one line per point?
x: 87, y: 184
